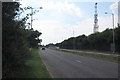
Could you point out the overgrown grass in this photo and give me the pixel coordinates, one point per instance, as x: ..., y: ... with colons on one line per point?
x: 97, y: 56
x: 34, y: 67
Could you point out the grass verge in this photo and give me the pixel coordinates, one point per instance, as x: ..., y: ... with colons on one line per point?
x: 34, y: 67
x: 97, y: 56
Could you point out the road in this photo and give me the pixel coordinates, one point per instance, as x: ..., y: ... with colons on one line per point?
x: 65, y: 65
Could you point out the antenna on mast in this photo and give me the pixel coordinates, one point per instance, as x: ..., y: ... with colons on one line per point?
x: 95, y: 20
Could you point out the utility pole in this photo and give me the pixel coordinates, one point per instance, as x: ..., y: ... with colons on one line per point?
x: 95, y: 20
x: 113, y: 43
x: 32, y: 14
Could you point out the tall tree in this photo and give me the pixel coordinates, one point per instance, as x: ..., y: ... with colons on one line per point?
x: 15, y: 47
x: 97, y: 41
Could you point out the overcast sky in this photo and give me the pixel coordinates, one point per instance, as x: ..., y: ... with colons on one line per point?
x: 62, y: 19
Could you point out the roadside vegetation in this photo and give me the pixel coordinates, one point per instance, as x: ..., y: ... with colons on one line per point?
x: 100, y: 41
x: 92, y: 55
x: 34, y: 67
x: 20, y: 58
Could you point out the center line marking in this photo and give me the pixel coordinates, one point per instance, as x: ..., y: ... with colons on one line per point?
x: 78, y: 61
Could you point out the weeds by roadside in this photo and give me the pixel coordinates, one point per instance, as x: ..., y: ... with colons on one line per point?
x: 34, y: 67
x: 97, y: 56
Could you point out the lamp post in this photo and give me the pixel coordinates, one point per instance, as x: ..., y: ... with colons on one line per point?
x: 32, y: 14
x: 113, y: 44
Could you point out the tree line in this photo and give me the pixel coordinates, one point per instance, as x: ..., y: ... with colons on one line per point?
x: 100, y: 41
x: 17, y: 39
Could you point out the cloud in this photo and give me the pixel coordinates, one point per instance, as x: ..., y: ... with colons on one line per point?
x: 83, y: 27
x: 107, y: 22
x: 91, y: 0
x: 119, y: 12
x: 114, y: 8
x: 87, y: 26
x: 59, y: 5
x: 54, y: 31
x: 63, y: 7
x: 51, y: 30
x: 56, y: 27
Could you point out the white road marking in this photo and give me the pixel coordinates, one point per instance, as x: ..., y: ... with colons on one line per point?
x: 78, y: 61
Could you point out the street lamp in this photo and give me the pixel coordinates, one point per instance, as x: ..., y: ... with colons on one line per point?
x: 32, y: 14
x: 113, y: 44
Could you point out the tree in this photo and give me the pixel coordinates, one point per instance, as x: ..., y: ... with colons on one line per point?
x: 34, y: 39
x: 15, y: 42
x: 117, y: 38
x: 97, y: 41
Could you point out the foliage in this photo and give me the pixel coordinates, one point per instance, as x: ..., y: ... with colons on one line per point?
x: 97, y: 41
x: 34, y: 67
x: 15, y: 39
x: 34, y: 39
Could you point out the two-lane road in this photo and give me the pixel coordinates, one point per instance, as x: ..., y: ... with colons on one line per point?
x: 65, y: 65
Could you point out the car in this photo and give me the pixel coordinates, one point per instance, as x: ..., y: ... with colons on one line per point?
x: 43, y: 48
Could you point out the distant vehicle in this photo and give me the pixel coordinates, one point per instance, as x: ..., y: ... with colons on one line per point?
x: 43, y: 48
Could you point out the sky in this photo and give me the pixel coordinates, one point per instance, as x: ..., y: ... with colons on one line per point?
x: 62, y: 19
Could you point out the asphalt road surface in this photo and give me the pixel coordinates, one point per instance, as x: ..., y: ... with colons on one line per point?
x: 66, y: 65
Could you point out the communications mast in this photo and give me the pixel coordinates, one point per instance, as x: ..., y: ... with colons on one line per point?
x: 95, y: 20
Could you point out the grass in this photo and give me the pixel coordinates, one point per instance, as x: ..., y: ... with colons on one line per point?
x: 97, y: 56
x: 34, y: 67
x: 106, y: 52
